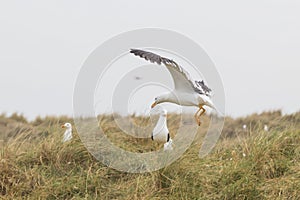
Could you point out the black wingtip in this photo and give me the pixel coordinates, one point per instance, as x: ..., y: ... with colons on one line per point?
x: 152, y: 57
x: 134, y: 50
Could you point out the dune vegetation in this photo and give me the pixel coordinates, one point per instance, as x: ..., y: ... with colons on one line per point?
x: 246, y: 163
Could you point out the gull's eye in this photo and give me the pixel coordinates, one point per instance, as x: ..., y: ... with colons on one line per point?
x: 155, y: 99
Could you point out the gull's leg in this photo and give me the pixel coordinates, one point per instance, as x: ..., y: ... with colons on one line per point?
x: 196, y: 115
x: 203, y: 111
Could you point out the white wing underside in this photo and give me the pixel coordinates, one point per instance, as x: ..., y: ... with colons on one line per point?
x: 181, y: 83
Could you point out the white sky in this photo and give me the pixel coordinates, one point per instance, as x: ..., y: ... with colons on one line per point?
x: 255, y: 46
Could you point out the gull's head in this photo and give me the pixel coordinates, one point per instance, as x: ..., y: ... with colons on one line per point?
x: 67, y: 125
x: 156, y: 101
x: 167, y: 97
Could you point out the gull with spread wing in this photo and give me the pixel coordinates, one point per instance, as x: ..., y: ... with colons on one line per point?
x: 186, y: 91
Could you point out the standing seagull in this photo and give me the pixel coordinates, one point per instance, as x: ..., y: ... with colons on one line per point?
x: 266, y: 128
x: 68, y: 132
x: 161, y: 131
x: 186, y: 92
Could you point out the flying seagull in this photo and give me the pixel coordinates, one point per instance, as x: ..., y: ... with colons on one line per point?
x: 186, y: 91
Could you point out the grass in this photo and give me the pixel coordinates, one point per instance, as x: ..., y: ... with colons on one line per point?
x: 245, y: 164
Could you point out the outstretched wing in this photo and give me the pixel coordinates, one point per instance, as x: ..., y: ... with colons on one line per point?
x: 181, y: 78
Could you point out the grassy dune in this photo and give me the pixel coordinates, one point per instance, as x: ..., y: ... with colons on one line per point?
x: 245, y: 164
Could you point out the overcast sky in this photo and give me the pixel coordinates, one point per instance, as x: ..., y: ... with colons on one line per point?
x: 255, y: 46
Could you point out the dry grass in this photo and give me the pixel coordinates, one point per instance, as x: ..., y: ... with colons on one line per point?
x: 35, y: 164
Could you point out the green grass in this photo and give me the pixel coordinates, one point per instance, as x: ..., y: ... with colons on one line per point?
x: 34, y: 164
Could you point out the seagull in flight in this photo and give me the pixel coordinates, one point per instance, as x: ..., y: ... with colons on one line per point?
x: 186, y: 91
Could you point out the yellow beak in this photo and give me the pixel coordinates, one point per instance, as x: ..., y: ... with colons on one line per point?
x: 63, y: 126
x: 153, y: 105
